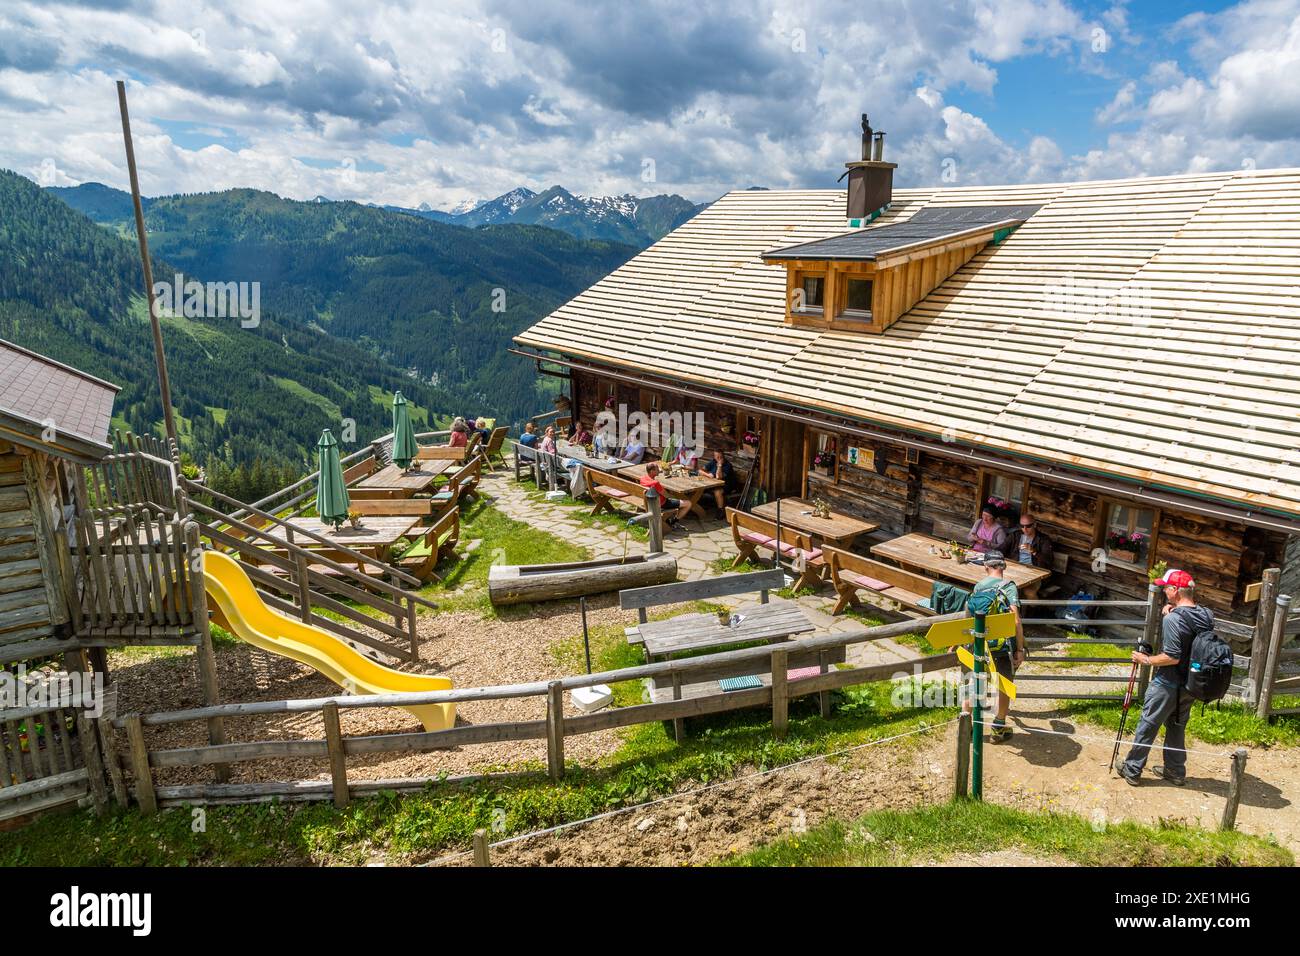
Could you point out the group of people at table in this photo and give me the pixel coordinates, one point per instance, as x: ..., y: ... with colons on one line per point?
x: 1025, y: 543
x: 713, y: 464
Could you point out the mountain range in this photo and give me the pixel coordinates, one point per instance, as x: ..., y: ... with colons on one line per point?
x: 626, y: 219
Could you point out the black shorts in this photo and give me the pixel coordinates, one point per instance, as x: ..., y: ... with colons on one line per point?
x: 1005, y: 662
x: 671, y: 503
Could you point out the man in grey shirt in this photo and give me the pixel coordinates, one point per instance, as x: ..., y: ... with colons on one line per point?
x: 1165, y: 703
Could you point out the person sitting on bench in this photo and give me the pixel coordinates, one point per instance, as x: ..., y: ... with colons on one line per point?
x: 672, y: 510
x: 718, y: 467
x: 635, y: 449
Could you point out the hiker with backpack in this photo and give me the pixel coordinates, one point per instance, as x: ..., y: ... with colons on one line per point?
x: 996, y: 594
x: 1194, y: 664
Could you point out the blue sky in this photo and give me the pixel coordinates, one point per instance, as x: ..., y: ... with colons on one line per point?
x: 439, y: 102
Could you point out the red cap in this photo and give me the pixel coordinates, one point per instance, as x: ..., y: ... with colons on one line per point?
x: 1176, y: 579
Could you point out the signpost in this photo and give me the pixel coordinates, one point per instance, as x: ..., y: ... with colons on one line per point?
x: 980, y: 628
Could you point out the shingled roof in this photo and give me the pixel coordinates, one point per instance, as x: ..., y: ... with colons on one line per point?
x: 37, y: 392
x: 1145, y: 329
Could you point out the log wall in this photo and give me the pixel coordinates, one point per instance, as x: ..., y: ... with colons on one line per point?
x: 31, y: 602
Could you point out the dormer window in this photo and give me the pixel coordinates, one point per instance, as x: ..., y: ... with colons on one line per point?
x: 811, y: 294
x: 864, y: 281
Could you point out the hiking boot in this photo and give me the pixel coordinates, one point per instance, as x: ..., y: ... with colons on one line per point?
x: 1169, y: 776
x: 998, y: 732
x: 1132, y: 779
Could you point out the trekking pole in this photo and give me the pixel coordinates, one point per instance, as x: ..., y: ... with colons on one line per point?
x: 1123, y: 717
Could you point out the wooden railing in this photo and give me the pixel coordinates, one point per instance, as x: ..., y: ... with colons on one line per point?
x: 296, y: 498
x: 302, y: 590
x: 554, y: 728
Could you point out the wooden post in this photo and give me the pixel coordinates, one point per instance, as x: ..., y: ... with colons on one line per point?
x: 1150, y: 634
x: 1264, y: 613
x: 780, y: 694
x: 679, y: 724
x: 655, y: 524
x: 144, y: 793
x: 338, y: 755
x: 160, y: 357
x: 824, y: 698
x: 1269, y: 675
x: 961, y: 774
x: 1229, y: 821
x: 413, y: 628
x: 94, y: 764
x: 108, y: 748
x: 207, y: 656
x: 555, y: 730
x: 482, y: 857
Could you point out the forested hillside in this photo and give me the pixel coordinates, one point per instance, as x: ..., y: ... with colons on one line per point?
x: 252, y: 402
x: 443, y: 301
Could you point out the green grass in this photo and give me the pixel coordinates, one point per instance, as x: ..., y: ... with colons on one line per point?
x: 723, y: 566
x: 331, y: 410
x: 442, y: 818
x: 580, y: 511
x: 934, y: 833
x: 1227, y: 722
x: 503, y: 541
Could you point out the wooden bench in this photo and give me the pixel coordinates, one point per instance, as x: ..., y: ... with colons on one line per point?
x: 455, y: 453
x: 750, y: 533
x: 606, y: 489
x: 361, y: 470
x: 851, y: 573
x: 431, y: 546
x: 675, y: 593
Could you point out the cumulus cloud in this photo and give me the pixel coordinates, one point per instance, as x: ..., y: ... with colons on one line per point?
x: 402, y: 101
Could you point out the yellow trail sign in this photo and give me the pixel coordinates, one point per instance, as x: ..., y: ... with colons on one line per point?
x: 998, y: 627
x: 968, y: 659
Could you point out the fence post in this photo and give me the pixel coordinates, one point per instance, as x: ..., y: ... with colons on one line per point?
x: 1263, y: 631
x: 1229, y: 821
x: 94, y: 764
x: 412, y: 626
x: 481, y: 855
x: 108, y: 749
x: 654, y: 525
x: 824, y: 698
x: 338, y: 755
x: 780, y: 694
x: 1278, y: 634
x: 144, y: 792
x: 1150, y: 634
x: 679, y: 724
x: 961, y: 773
x: 207, y: 655
x: 555, y: 730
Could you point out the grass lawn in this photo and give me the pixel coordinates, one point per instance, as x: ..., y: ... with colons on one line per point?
x: 1227, y: 722
x: 443, y: 818
x: 934, y: 833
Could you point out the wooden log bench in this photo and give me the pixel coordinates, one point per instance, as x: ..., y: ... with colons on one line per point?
x: 608, y: 489
x: 851, y: 573
x: 752, y: 534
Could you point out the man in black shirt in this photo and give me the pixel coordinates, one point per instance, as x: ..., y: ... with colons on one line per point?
x: 1165, y: 703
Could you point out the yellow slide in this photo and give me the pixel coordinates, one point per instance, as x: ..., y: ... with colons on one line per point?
x: 238, y: 608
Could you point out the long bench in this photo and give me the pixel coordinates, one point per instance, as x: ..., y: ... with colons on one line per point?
x: 851, y: 573
x: 607, y: 489
x: 752, y: 533
x: 431, y: 546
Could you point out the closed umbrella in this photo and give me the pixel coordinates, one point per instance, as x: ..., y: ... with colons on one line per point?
x: 404, y: 447
x: 331, y: 492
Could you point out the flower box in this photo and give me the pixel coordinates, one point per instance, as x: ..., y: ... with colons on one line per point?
x: 1121, y: 554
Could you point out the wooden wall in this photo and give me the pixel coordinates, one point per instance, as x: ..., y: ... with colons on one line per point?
x: 31, y: 602
x: 940, y: 495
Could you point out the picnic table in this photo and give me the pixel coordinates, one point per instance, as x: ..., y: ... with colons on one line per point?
x: 406, y: 483
x: 686, y: 488
x: 376, y: 536
x: 912, y: 552
x: 772, y: 623
x: 598, y: 462
x: 839, y: 529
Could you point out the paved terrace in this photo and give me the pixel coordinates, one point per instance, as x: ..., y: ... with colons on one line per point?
x: 696, y: 551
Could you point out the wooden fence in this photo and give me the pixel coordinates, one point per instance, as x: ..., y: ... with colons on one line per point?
x: 775, y: 660
x: 51, y: 754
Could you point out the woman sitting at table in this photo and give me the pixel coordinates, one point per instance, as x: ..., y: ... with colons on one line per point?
x: 987, y: 534
x: 687, y: 457
x: 459, y: 434
x: 579, y: 435
x: 718, y: 467
x: 635, y: 449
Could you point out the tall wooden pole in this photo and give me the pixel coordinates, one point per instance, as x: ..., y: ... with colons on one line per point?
x: 160, y: 357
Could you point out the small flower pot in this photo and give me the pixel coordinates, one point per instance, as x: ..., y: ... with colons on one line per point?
x: 822, y: 470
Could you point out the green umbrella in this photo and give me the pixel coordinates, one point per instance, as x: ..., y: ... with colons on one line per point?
x: 404, y: 447
x: 331, y: 491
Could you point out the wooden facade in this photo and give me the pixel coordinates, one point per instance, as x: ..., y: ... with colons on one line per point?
x: 33, y: 572
x: 903, y: 490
